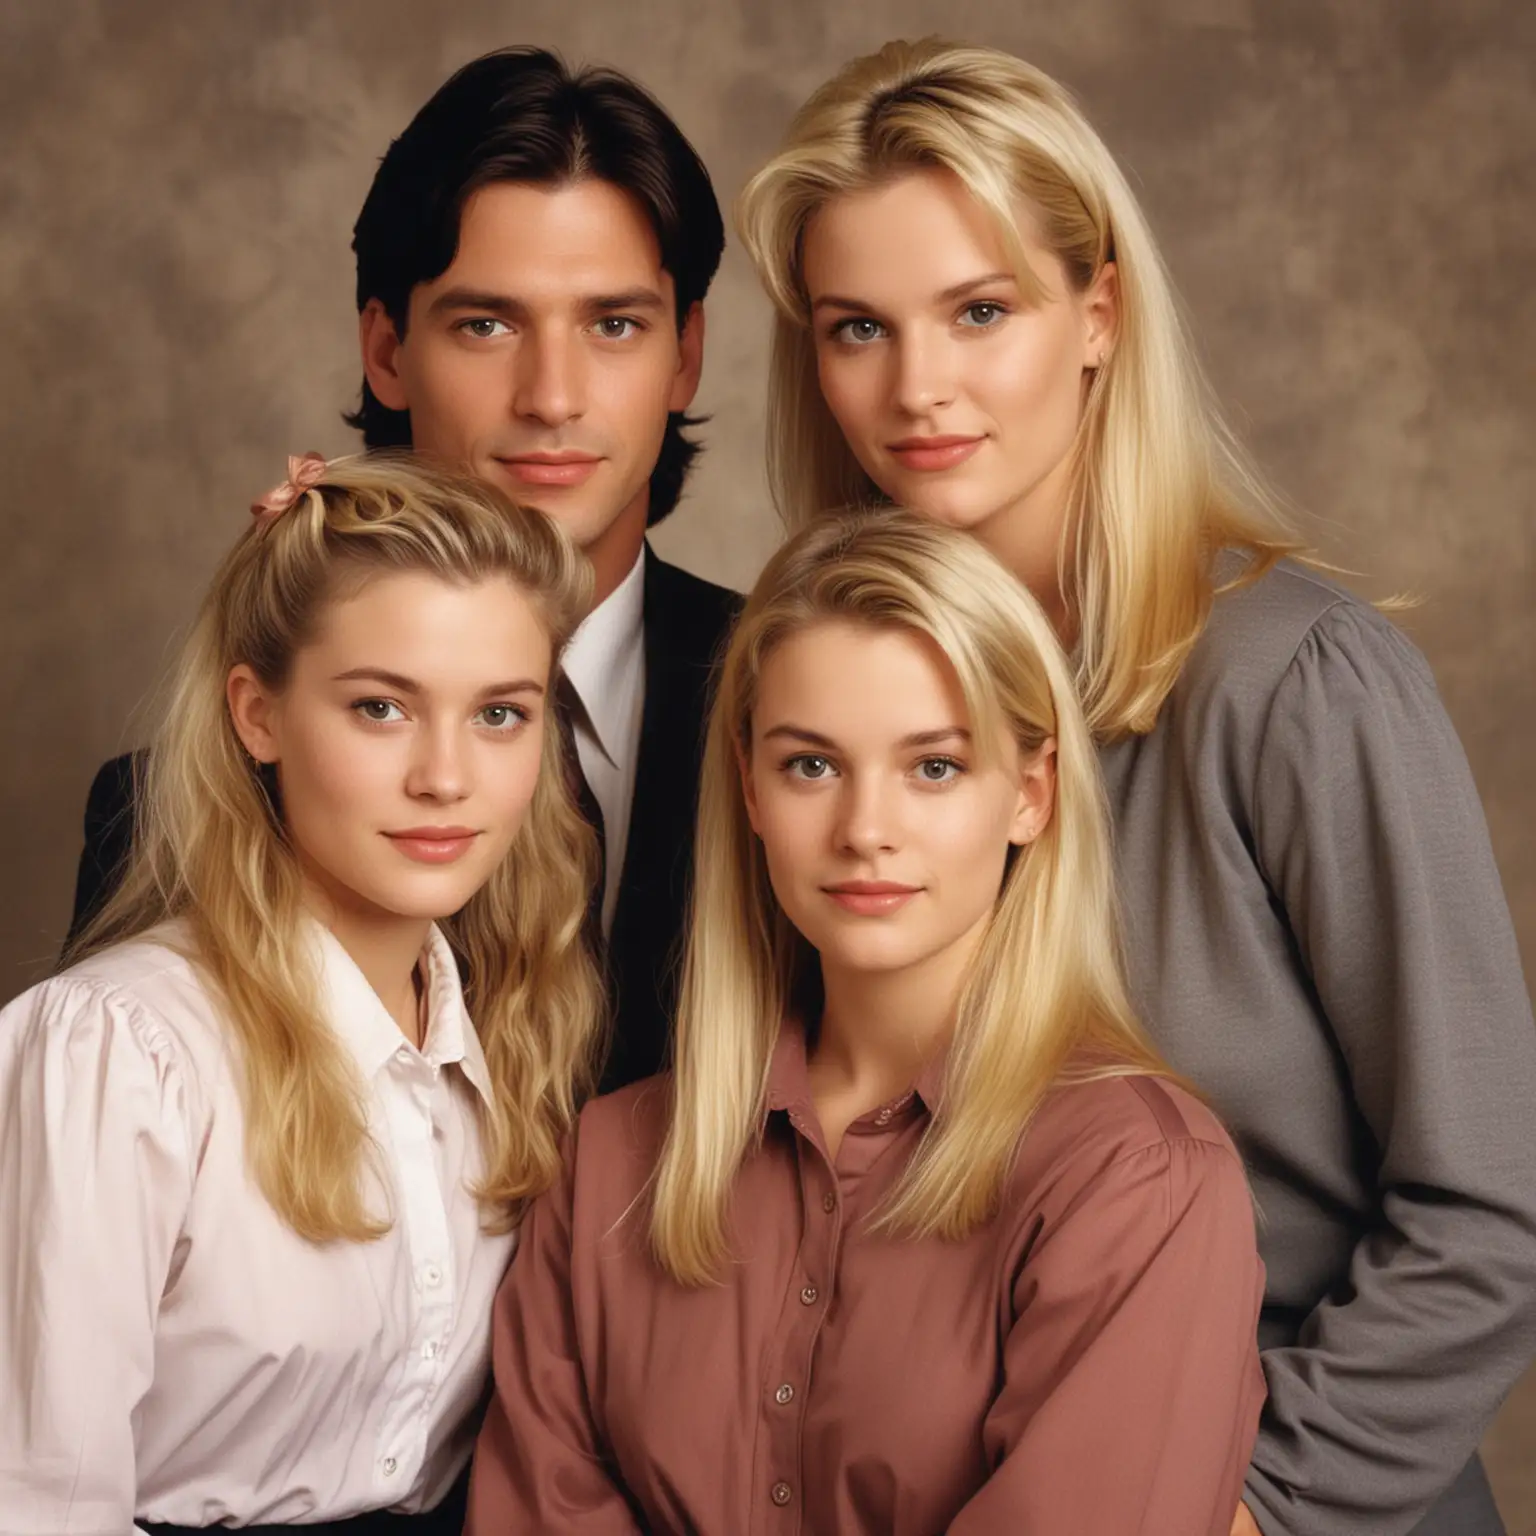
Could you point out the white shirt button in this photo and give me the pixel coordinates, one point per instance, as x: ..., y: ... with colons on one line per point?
x: 432, y: 1275
x: 389, y: 1466
x: 429, y: 1350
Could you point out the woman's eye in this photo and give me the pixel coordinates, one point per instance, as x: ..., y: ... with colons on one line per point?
x: 380, y: 711
x: 982, y: 314
x: 483, y: 327
x: 501, y: 717
x: 859, y: 332
x: 617, y: 327
x: 809, y: 766
x: 938, y: 770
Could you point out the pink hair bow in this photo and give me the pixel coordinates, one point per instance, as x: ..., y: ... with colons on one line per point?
x: 303, y: 473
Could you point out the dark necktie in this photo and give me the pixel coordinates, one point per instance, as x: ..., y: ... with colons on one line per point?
x: 570, y: 709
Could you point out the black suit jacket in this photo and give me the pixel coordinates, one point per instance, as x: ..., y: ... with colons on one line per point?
x: 686, y: 623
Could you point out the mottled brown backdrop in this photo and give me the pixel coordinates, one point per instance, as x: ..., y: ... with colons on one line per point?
x: 1346, y: 190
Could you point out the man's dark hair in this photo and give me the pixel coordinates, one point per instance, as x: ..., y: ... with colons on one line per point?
x: 520, y: 114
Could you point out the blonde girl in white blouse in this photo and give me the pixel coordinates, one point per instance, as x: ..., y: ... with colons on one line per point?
x: 264, y: 1143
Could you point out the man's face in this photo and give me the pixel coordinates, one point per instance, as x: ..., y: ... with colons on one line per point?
x: 547, y: 357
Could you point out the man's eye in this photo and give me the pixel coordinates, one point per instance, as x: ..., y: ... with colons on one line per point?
x: 483, y: 327
x: 858, y: 331
x: 502, y: 717
x: 617, y: 327
x: 380, y: 711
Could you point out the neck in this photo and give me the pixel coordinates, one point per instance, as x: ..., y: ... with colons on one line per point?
x: 384, y: 946
x: 879, y: 1028
x: 614, y: 551
x: 1027, y: 538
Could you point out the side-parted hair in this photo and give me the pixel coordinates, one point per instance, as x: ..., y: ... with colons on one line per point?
x: 1044, y: 1000
x: 520, y: 114
x: 209, y: 848
x: 1159, y: 483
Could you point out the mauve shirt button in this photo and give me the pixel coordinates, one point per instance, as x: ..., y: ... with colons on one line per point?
x: 781, y: 1493
x: 829, y: 1203
x: 785, y: 1394
x: 808, y: 1296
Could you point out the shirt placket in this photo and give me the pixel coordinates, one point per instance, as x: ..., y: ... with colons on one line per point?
x: 408, y: 1084
x: 778, y: 1505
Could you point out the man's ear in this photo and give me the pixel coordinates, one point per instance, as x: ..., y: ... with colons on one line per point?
x: 1037, y: 794
x: 250, y: 711
x: 748, y: 787
x: 690, y: 347
x: 380, y: 344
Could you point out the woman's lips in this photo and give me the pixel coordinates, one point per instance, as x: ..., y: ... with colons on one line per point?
x: 871, y: 898
x: 932, y: 453
x: 550, y: 468
x: 433, y: 845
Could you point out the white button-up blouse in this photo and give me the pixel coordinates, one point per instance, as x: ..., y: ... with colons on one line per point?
x: 169, y: 1349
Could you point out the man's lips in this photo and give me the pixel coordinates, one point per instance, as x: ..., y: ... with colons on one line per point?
x: 550, y: 468
x: 871, y: 898
x: 433, y: 845
x: 931, y: 453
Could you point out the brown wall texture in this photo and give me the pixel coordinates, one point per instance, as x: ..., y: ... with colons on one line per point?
x: 1345, y: 189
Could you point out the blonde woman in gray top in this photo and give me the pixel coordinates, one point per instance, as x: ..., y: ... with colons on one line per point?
x: 973, y: 320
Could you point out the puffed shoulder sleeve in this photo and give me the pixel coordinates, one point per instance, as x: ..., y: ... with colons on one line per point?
x: 540, y: 1464
x: 95, y: 1175
x: 1131, y: 1384
x: 1369, y: 830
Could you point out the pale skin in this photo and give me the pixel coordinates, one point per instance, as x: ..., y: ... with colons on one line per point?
x: 923, y: 336
x: 862, y: 769
x: 546, y: 359
x: 407, y: 741
x: 921, y: 332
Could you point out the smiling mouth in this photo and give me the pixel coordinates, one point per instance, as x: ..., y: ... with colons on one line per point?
x: 433, y: 845
x: 871, y: 898
x: 550, y: 468
x: 934, y: 453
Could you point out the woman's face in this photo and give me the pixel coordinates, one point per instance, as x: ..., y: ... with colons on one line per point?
x: 958, y: 399
x: 407, y: 741
x: 885, y: 829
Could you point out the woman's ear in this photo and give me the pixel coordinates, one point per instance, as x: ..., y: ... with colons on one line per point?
x: 252, y: 714
x: 748, y: 787
x: 1100, y: 309
x: 1037, y: 794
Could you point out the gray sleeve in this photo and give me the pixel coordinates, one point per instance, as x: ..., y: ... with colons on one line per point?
x: 1370, y: 833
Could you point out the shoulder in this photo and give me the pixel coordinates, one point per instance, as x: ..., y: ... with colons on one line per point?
x: 619, y: 1135
x: 1291, y: 619
x: 1096, y: 1138
x: 697, y: 614
x: 146, y: 991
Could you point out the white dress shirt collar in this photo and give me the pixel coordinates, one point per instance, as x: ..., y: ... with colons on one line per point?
x: 365, y: 1026
x: 608, y: 646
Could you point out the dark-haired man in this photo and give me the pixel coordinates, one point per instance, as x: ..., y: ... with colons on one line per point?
x: 532, y: 260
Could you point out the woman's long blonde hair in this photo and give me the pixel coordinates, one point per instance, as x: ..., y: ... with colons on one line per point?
x: 209, y: 848
x: 1044, y: 997
x: 1159, y: 484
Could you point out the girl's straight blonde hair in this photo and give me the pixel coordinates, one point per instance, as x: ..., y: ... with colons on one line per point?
x: 1159, y: 484
x: 210, y: 849
x: 1044, y: 999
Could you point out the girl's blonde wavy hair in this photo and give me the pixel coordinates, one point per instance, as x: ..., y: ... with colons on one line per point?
x: 1159, y: 483
x: 1044, y: 999
x: 209, y: 849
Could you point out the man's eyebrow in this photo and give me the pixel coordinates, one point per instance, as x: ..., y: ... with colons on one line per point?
x: 504, y: 306
x: 480, y: 299
x: 628, y: 298
x: 948, y: 296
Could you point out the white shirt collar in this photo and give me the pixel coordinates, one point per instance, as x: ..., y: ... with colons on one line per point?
x: 360, y: 1018
x: 608, y: 644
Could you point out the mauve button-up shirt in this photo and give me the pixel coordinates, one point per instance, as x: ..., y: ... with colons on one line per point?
x: 1084, y: 1365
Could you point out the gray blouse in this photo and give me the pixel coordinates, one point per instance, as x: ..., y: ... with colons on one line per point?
x: 1317, y: 936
